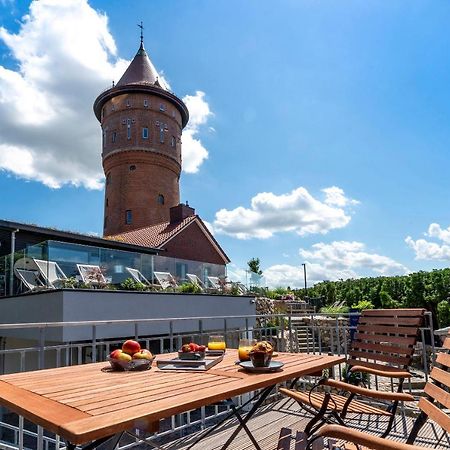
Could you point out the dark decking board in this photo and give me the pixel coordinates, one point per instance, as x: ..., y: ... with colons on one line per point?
x: 266, y: 428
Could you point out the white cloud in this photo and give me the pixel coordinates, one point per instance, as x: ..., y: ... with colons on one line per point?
x: 335, y: 196
x: 49, y: 132
x: 194, y: 153
x: 435, y: 231
x: 429, y: 250
x: 334, y: 261
x: 297, y: 211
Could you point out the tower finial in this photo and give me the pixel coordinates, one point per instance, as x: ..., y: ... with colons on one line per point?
x: 141, y: 26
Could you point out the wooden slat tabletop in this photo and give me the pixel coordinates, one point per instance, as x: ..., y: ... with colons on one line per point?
x: 83, y: 403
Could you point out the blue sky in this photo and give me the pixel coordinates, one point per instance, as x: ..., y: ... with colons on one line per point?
x: 303, y: 96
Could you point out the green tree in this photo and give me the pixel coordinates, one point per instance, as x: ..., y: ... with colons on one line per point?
x: 254, y: 266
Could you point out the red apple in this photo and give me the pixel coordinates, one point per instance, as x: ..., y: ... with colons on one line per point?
x: 143, y: 354
x: 131, y: 347
x: 119, y: 354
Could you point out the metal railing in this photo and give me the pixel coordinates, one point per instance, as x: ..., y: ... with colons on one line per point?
x: 309, y: 333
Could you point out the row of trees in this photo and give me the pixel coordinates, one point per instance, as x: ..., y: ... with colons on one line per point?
x: 430, y: 290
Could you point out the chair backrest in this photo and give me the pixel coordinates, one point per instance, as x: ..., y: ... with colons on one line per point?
x: 29, y: 278
x: 386, y: 337
x: 165, y: 279
x: 438, y: 390
x: 195, y: 279
x: 91, y: 274
x: 137, y: 275
x: 50, y: 271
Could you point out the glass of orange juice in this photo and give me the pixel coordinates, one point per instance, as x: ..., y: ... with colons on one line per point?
x: 245, y: 345
x: 216, y: 342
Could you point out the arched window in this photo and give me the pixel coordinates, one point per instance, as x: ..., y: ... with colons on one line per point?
x: 132, y: 168
x: 128, y: 217
x: 161, y: 199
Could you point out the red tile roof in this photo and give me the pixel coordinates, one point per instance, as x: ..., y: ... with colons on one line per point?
x: 154, y: 235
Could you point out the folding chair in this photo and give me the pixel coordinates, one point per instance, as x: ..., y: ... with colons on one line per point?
x: 382, y: 346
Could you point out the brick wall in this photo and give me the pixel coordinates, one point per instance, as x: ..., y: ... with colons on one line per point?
x: 140, y: 170
x: 192, y: 244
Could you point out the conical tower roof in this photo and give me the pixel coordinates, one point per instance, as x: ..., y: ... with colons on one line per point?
x: 140, y: 70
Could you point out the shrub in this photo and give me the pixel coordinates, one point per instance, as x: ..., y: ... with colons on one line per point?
x: 443, y: 313
x: 191, y: 288
x: 363, y: 304
x: 131, y: 285
x: 335, y: 309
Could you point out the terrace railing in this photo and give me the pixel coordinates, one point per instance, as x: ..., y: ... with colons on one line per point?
x: 310, y: 333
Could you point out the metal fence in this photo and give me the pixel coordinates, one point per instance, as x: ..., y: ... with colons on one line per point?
x: 299, y: 332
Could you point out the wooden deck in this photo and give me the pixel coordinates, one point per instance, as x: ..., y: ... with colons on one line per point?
x: 267, y: 424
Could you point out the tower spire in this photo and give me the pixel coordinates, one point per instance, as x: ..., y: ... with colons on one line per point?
x: 141, y: 26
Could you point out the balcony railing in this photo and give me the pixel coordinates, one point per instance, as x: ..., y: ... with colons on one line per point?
x: 316, y: 333
x: 51, y: 264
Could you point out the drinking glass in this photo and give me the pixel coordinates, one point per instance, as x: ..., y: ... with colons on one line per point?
x: 245, y: 345
x: 216, y: 342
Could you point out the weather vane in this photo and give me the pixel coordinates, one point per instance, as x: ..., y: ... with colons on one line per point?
x: 141, y: 26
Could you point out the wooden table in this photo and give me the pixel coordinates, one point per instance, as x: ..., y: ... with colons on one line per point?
x: 83, y: 403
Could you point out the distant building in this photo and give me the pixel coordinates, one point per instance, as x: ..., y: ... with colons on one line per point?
x: 142, y: 124
x: 145, y: 225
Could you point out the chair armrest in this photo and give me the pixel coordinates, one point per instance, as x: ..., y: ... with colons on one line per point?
x: 393, y: 396
x: 291, y: 393
x: 360, y: 438
x: 382, y: 373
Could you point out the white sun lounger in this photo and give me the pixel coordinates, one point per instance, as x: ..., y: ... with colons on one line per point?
x: 29, y: 278
x: 50, y: 272
x: 137, y: 276
x: 214, y: 282
x: 165, y: 279
x: 195, y: 280
x: 91, y: 274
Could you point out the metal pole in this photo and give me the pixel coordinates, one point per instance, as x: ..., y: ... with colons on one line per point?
x: 304, y: 277
x: 11, y: 262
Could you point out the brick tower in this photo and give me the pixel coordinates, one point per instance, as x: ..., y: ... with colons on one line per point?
x: 142, y: 124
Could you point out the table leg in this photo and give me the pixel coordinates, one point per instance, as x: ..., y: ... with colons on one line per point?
x: 93, y: 445
x: 233, y: 413
x: 248, y: 416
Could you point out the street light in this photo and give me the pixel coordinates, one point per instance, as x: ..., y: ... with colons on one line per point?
x: 304, y: 277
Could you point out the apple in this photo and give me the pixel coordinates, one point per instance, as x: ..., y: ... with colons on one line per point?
x: 119, y: 354
x: 143, y: 354
x: 202, y: 348
x: 131, y: 347
x: 186, y: 348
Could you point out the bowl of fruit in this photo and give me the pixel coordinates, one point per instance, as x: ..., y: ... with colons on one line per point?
x: 131, y: 357
x: 192, y: 351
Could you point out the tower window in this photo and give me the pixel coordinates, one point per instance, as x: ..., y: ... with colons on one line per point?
x: 161, y: 133
x: 145, y: 133
x: 145, y: 103
x: 108, y: 178
x: 128, y: 217
x: 105, y: 222
x: 173, y: 114
x: 132, y: 168
x: 113, y: 137
x: 128, y: 103
x: 172, y: 141
x: 162, y: 107
x: 128, y: 129
x: 161, y: 199
x: 107, y: 202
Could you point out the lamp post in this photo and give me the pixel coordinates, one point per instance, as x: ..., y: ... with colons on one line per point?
x: 304, y: 277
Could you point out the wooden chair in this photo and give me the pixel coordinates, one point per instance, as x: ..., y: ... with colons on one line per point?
x: 383, y: 346
x: 434, y: 407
